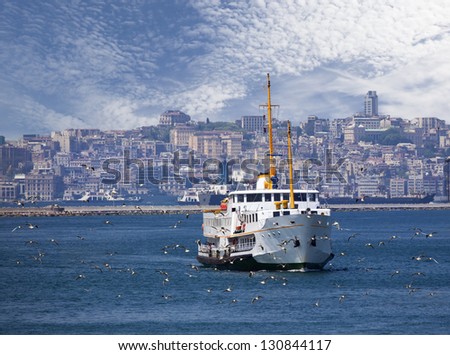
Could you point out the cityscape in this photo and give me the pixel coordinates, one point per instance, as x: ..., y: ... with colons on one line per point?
x: 362, y: 156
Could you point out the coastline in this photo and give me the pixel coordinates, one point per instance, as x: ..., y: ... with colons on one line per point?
x: 91, y: 210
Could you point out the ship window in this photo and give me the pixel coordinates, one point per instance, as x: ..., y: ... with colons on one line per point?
x: 286, y: 213
x: 276, y: 214
x: 254, y: 197
x: 299, y: 196
x: 240, y: 198
x: 276, y: 197
x: 267, y: 197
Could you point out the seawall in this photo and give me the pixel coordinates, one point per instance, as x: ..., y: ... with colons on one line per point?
x: 159, y: 210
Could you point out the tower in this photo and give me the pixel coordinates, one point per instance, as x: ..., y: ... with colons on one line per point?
x: 371, y: 104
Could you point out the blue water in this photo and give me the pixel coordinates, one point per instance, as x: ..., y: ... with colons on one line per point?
x: 44, y: 294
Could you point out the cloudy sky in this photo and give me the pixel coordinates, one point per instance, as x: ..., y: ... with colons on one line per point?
x: 119, y: 64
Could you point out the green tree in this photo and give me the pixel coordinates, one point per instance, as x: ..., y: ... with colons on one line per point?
x: 393, y: 136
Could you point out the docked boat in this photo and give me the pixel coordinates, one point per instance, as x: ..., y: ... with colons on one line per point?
x: 268, y: 228
x: 106, y: 195
x: 203, y: 195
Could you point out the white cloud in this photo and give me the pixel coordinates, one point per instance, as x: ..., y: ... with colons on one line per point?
x: 119, y: 66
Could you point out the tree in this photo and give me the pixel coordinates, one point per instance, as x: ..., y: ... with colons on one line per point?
x: 393, y: 136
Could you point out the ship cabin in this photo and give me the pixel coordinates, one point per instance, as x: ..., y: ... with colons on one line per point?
x: 244, y: 212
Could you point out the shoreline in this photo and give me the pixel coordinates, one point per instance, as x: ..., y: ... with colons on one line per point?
x: 93, y: 210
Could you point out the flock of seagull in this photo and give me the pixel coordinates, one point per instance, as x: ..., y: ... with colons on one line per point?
x: 413, y: 234
x: 39, y: 252
x: 263, y: 278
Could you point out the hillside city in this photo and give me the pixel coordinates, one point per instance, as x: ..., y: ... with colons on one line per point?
x: 365, y: 154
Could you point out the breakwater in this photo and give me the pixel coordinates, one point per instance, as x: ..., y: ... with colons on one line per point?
x: 175, y: 209
x: 98, y: 210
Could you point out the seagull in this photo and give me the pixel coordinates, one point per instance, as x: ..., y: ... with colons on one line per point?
x: 341, y: 298
x: 256, y: 298
x: 370, y: 245
x: 54, y: 241
x: 195, y: 267
x: 337, y: 225
x: 107, y: 222
x: 108, y: 266
x: 37, y: 258
x: 354, y: 235
x: 97, y: 268
x: 317, y: 304
x: 429, y: 235
x: 263, y: 282
x: 393, y: 237
x: 229, y: 289
x: 432, y: 259
x: 418, y: 258
x: 81, y: 237
x: 18, y: 227
x: 167, y: 297
x: 396, y: 272
x: 80, y: 276
x: 418, y: 274
x: 32, y: 226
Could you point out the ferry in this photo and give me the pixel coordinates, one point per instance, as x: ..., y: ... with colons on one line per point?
x: 268, y: 228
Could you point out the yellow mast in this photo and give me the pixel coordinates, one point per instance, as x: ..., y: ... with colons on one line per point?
x: 272, y: 171
x: 291, y: 174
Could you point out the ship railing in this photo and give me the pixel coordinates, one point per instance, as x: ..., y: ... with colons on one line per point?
x: 222, y: 252
x: 242, y: 247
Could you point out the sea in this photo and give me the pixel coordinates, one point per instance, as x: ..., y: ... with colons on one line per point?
x: 138, y: 275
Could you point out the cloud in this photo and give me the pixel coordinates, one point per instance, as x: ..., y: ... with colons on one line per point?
x: 112, y: 65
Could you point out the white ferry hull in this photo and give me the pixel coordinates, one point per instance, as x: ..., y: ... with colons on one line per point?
x: 300, y: 242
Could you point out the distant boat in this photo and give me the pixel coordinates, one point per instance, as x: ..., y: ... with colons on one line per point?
x: 203, y: 195
x: 267, y: 228
x: 105, y: 195
x: 346, y: 200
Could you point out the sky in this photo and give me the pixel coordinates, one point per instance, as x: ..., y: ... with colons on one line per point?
x: 111, y: 64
